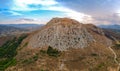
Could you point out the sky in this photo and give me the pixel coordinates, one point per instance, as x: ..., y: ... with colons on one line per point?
x: 98, y: 12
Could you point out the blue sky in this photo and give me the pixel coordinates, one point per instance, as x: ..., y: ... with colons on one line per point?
x: 41, y: 11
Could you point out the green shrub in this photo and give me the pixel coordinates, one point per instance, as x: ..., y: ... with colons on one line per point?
x: 28, y: 61
x: 94, y: 54
x: 6, y: 63
x: 31, y: 60
x: 35, y: 58
x: 43, y: 70
x: 117, y: 46
x: 43, y: 52
x: 25, y: 44
x: 53, y: 52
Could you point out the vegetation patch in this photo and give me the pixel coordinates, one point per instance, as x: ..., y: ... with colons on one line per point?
x: 43, y: 52
x: 94, y: 54
x: 100, y: 66
x: 6, y: 63
x: 31, y: 60
x: 25, y: 44
x: 53, y: 52
x: 43, y: 70
x: 8, y: 52
x: 117, y: 46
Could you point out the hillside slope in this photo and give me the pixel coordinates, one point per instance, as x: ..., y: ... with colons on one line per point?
x: 66, y: 45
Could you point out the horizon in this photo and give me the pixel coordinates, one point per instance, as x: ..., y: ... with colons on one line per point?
x: 98, y: 12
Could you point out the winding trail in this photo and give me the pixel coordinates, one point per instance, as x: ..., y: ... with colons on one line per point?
x: 115, y: 57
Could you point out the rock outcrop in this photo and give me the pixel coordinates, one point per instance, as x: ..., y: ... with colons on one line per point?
x: 62, y: 34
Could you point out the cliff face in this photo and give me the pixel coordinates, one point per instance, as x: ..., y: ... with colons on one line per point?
x: 62, y: 34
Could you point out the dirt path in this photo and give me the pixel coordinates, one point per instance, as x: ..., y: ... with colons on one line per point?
x: 115, y: 57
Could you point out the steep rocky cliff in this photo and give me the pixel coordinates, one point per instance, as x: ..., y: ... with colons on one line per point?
x: 65, y: 33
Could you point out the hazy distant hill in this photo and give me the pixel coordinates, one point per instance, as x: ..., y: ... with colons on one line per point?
x: 117, y: 27
x: 9, y: 30
x: 111, y: 30
x: 26, y: 26
x: 12, y: 29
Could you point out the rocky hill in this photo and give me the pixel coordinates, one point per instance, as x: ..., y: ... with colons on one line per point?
x: 65, y: 33
x: 62, y: 34
x: 64, y: 44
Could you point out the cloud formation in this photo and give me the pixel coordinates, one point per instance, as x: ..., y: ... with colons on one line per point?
x: 85, y: 11
x: 28, y: 5
x: 53, y: 5
x: 81, y: 17
x: 23, y: 21
x: 10, y: 12
x: 102, y: 11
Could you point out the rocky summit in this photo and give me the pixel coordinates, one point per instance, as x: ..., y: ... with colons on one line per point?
x: 63, y: 34
x: 64, y: 44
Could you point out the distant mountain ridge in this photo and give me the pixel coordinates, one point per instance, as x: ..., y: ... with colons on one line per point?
x: 25, y: 26
x: 112, y: 31
x: 116, y: 27
x: 10, y: 30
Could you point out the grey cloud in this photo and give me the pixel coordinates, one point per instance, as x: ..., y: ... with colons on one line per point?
x: 102, y: 11
x: 108, y: 19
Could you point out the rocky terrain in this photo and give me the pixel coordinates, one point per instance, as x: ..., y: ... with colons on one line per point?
x: 64, y: 44
x: 64, y: 33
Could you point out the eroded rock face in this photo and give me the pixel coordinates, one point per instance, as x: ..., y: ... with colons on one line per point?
x: 62, y: 34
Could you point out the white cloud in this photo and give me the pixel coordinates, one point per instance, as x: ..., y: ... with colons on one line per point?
x: 15, y: 13
x: 11, y: 12
x: 22, y: 21
x: 23, y: 5
x: 81, y: 17
x: 25, y: 21
x: 108, y: 19
x: 53, y: 5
